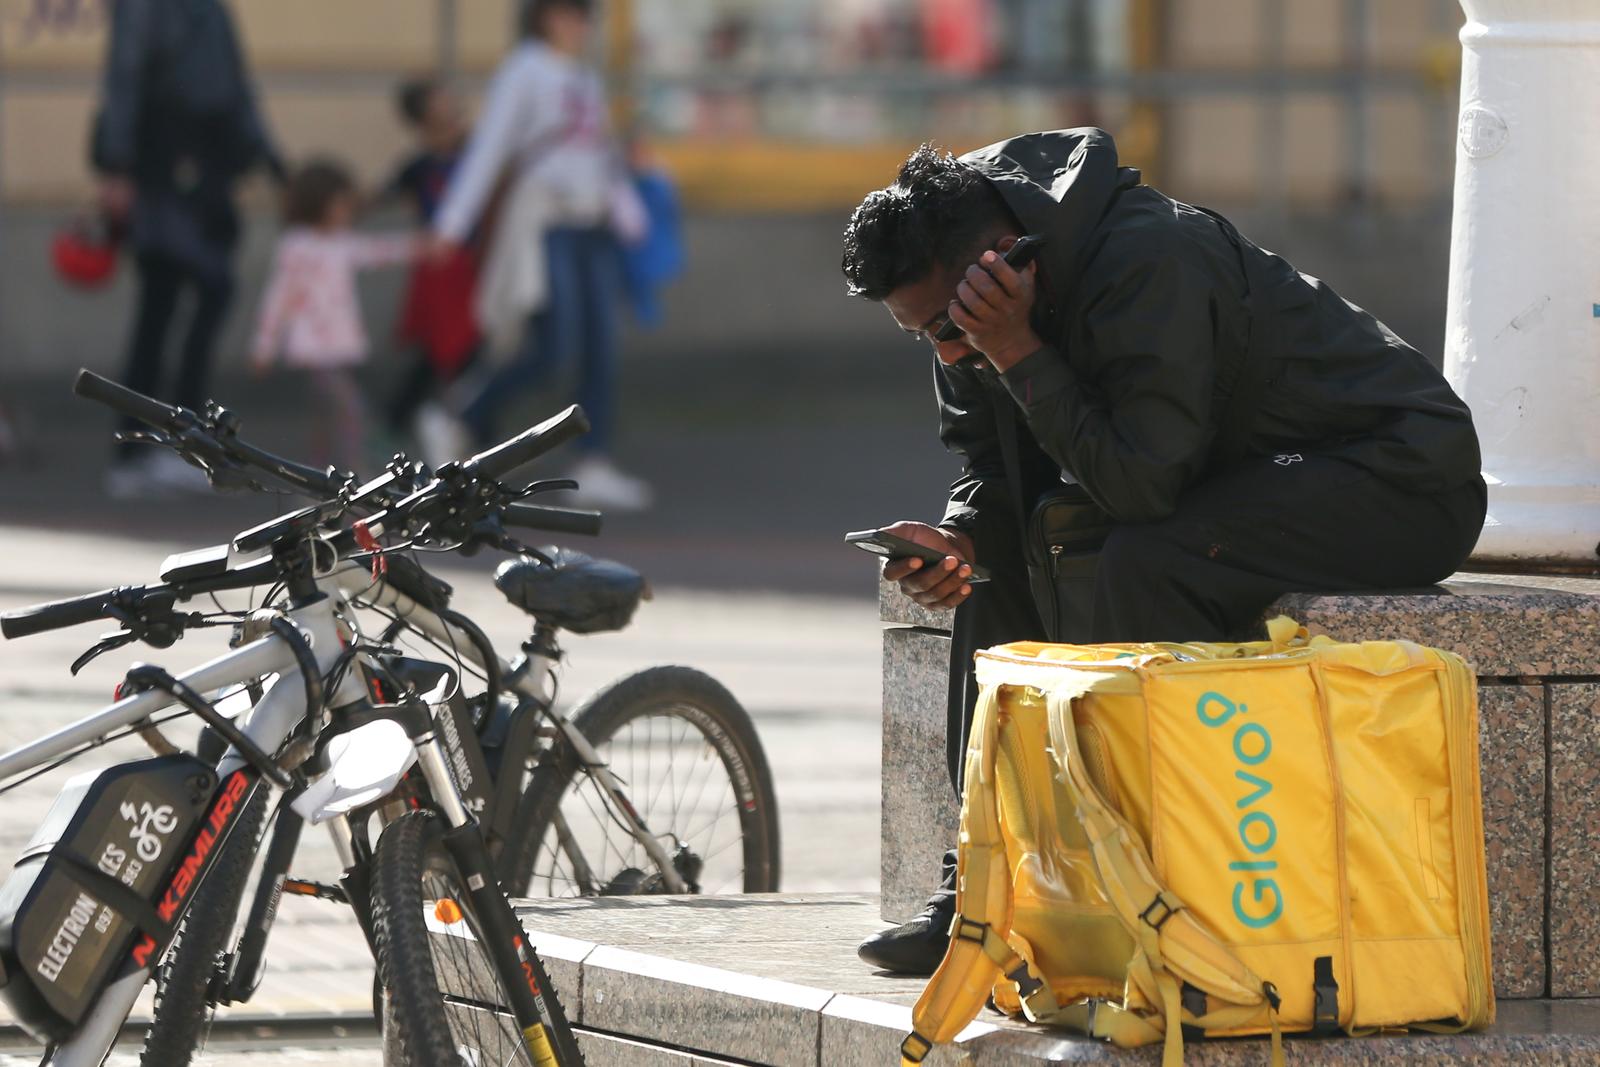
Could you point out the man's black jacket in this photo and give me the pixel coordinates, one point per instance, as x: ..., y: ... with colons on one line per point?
x: 1142, y: 305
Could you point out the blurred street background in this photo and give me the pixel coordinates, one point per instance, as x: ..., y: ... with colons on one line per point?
x: 769, y: 412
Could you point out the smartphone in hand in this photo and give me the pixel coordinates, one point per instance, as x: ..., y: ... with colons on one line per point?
x: 890, y: 546
x: 1017, y: 256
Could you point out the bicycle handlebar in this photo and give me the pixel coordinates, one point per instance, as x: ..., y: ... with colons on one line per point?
x: 553, y: 520
x: 530, y: 444
x: 56, y: 615
x: 92, y: 386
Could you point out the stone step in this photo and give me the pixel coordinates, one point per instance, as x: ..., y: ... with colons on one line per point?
x: 774, y: 979
x: 1529, y: 639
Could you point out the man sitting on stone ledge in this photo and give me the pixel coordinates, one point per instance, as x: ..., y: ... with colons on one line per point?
x: 1231, y: 429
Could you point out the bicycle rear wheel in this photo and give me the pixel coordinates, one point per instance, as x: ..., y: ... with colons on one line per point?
x: 687, y: 756
x: 446, y: 999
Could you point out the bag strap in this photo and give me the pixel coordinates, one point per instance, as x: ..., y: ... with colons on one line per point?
x: 1172, y: 945
x: 1244, y: 403
x: 1005, y: 411
x: 979, y: 952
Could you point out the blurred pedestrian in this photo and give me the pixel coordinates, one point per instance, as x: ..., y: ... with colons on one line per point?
x: 553, y: 253
x: 310, y: 318
x: 177, y: 128
x: 649, y: 263
x: 437, y: 318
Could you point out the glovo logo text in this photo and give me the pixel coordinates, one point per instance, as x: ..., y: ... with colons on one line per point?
x: 1257, y: 900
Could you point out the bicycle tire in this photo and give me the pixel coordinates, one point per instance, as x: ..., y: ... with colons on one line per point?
x: 183, y: 1005
x: 410, y: 863
x: 720, y: 723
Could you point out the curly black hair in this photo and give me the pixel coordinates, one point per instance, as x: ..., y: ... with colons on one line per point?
x: 934, y: 215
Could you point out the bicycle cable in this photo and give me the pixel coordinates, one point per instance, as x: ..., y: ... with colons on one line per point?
x: 116, y: 735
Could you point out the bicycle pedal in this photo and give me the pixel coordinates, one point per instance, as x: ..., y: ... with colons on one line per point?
x: 321, y: 890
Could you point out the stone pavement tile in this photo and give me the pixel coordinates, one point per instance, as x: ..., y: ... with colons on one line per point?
x: 637, y: 922
x: 606, y: 1050
x: 1511, y: 755
x: 864, y: 1030
x: 644, y: 996
x: 1574, y: 839
x: 919, y: 807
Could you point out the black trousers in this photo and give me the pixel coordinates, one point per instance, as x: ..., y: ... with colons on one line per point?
x: 162, y: 281
x: 1270, y: 525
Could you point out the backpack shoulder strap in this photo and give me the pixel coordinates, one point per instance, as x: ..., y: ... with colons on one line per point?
x: 979, y: 952
x: 1173, y: 946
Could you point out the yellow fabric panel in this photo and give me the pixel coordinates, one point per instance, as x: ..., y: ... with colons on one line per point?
x: 1058, y: 907
x: 1408, y: 980
x: 1244, y: 810
x: 1395, y: 767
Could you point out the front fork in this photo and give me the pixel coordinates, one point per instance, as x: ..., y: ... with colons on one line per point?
x: 503, y: 938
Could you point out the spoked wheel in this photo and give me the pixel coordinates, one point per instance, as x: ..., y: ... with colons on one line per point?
x: 687, y: 758
x: 445, y: 1000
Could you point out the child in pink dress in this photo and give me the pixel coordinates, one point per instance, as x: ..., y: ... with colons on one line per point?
x: 310, y: 319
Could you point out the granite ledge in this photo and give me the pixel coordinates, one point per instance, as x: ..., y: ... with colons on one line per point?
x: 1506, y: 626
x: 896, y: 608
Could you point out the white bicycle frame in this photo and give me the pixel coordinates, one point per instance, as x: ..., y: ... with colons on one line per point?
x: 269, y: 722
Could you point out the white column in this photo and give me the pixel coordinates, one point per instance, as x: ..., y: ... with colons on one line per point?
x: 1522, y: 337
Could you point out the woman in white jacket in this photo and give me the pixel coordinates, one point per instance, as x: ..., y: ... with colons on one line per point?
x: 553, y: 254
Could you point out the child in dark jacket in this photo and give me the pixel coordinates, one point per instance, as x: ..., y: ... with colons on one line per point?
x: 437, y: 320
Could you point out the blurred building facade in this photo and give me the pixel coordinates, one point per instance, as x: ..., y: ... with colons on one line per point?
x: 793, y: 104
x: 1325, y: 127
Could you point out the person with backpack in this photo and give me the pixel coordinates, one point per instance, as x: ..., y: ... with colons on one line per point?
x: 542, y: 155
x: 177, y: 129
x: 1164, y: 426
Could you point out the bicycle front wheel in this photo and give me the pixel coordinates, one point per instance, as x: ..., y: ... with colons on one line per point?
x: 447, y: 1001
x: 184, y: 991
x: 688, y: 759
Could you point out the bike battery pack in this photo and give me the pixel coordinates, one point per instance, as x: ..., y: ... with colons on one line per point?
x: 64, y: 929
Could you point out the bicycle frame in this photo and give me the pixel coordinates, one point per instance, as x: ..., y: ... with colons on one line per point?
x: 267, y: 723
x: 531, y: 683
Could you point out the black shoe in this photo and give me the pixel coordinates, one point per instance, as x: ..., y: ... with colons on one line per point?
x: 914, y: 947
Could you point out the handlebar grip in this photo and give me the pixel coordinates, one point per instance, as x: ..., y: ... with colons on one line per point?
x: 528, y: 445
x: 553, y: 520
x: 92, y: 386
x: 55, y: 615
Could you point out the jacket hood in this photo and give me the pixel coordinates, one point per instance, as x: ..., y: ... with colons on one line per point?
x: 1059, y: 183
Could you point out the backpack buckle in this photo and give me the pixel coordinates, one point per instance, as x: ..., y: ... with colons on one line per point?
x: 1169, y: 908
x: 1037, y: 1000
x: 965, y: 929
x: 915, y: 1047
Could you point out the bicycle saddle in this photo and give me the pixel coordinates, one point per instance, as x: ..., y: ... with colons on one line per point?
x: 574, y: 591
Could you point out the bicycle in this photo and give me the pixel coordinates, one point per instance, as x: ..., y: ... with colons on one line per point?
x: 507, y: 727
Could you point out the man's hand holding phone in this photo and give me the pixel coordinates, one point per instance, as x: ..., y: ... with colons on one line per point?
x: 942, y: 586
x: 994, y: 300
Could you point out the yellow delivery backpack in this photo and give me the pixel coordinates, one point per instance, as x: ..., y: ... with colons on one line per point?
x: 1225, y: 839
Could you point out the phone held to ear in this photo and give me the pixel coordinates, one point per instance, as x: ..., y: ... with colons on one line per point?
x: 889, y: 546
x: 1017, y: 256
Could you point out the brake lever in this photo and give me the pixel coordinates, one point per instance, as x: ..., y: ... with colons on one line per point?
x: 108, y: 643
x: 546, y: 485
x: 146, y: 437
